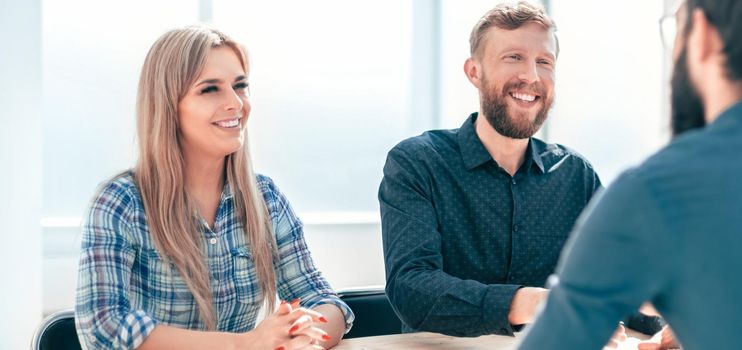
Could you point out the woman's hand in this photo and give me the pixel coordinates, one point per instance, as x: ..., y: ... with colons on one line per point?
x: 289, y: 328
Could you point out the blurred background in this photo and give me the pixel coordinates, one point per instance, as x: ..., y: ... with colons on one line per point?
x: 335, y: 84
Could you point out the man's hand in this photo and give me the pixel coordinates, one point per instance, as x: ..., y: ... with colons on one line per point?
x: 618, y: 337
x: 649, y: 310
x: 663, y: 340
x: 525, y: 304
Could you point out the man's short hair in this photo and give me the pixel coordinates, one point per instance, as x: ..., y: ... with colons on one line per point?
x: 726, y: 16
x: 510, y: 16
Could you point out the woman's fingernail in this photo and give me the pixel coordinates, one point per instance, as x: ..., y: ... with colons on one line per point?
x: 323, y: 319
x: 293, y: 329
x: 325, y: 337
x: 280, y: 348
x: 296, y: 301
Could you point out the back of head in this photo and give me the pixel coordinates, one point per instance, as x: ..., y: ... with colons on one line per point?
x: 509, y: 16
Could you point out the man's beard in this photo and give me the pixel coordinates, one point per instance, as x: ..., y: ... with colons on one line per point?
x: 515, y: 125
x: 686, y: 105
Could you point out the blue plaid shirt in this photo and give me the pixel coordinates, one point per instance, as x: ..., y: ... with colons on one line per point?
x: 125, y: 288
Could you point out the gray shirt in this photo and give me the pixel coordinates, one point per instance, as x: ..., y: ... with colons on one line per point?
x: 668, y: 232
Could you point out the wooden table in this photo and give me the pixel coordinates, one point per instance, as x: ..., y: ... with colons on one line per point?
x: 435, y: 341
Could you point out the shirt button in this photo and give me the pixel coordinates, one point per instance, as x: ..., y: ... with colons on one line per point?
x: 513, y: 181
x: 515, y: 228
x: 212, y: 240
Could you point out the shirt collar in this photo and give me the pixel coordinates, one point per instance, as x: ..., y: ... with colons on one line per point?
x: 472, y: 149
x: 226, y: 191
x: 535, y: 149
x: 474, y: 154
x: 730, y: 115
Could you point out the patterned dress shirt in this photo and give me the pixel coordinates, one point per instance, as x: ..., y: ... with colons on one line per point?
x: 461, y: 235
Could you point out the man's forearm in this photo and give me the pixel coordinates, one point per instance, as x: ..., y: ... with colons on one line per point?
x: 437, y: 302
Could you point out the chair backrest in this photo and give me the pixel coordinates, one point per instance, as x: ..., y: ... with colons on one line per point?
x: 57, y: 332
x: 374, y: 313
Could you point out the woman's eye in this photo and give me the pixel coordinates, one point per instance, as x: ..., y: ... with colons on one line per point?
x: 240, y: 86
x: 211, y: 88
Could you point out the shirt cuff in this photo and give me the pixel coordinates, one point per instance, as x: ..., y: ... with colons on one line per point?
x: 344, y: 308
x: 496, y: 309
x: 135, y: 327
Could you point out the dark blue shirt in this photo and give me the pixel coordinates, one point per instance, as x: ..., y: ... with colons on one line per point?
x: 668, y: 232
x: 461, y: 235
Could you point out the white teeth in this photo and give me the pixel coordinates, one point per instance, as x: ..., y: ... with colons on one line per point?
x: 524, y: 97
x: 228, y: 123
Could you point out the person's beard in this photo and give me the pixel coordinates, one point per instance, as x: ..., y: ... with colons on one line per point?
x: 508, y: 123
x: 686, y: 106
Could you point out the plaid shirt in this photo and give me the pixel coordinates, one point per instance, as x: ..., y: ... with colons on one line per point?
x: 125, y: 288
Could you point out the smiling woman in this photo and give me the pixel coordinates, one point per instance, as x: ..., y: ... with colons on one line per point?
x: 213, y: 113
x: 191, y: 240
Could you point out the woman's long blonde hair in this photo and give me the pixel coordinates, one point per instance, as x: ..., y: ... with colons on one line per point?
x: 172, y: 65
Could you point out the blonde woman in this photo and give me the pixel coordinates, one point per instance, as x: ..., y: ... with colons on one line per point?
x: 183, y: 251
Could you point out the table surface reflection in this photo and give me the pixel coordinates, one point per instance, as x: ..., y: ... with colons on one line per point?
x: 435, y: 341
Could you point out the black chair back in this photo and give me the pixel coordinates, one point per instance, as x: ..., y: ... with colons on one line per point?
x: 57, y: 332
x: 374, y: 313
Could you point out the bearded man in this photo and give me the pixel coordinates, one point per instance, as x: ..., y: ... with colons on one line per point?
x: 681, y: 209
x: 474, y: 219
